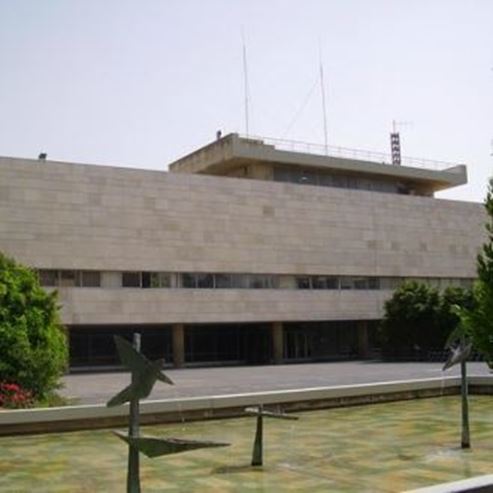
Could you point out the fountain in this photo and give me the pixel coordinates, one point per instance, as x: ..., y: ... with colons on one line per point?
x: 459, y: 355
x: 144, y: 375
x: 258, y: 444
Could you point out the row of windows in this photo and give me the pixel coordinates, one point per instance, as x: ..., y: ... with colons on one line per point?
x: 326, y: 179
x: 70, y: 278
x: 135, y: 279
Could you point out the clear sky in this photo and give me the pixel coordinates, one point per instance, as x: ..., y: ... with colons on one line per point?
x: 140, y: 83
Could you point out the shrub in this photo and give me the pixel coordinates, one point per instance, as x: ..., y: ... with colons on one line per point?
x: 33, y: 344
x: 419, y: 317
x: 14, y: 397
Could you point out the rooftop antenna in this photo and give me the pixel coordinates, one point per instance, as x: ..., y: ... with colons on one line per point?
x: 322, y: 88
x: 395, y: 142
x: 245, y: 80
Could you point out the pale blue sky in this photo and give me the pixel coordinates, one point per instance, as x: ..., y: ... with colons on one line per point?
x: 140, y: 83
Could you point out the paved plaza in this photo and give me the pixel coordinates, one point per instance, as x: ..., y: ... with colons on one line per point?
x: 91, y: 388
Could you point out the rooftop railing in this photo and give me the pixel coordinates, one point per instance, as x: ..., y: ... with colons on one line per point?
x: 348, y: 153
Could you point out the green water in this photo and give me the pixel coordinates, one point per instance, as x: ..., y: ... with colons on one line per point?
x: 383, y: 448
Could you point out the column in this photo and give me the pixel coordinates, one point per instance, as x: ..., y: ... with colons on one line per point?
x: 178, y: 339
x: 277, y: 343
x: 363, y: 349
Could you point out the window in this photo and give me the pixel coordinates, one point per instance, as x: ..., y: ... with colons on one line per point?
x: 323, y: 282
x: 326, y: 180
x: 346, y: 283
x: 223, y: 281
x: 303, y: 282
x: 48, y: 277
x: 339, y: 181
x: 68, y: 278
x: 360, y: 283
x: 308, y: 178
x: 239, y: 281
x: 205, y: 280
x: 188, y: 281
x: 90, y: 279
x: 258, y: 282
x: 146, y: 279
x: 131, y: 279
x: 156, y: 280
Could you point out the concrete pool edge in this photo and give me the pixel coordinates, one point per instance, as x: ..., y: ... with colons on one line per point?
x: 476, y: 484
x: 71, y: 418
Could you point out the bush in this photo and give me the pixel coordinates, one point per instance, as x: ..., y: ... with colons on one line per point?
x: 14, y: 397
x: 419, y: 318
x: 33, y: 344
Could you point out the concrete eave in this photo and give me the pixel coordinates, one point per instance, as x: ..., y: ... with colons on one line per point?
x: 232, y: 151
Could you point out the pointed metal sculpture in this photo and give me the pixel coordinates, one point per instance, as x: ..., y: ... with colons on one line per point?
x: 156, y: 447
x: 459, y: 355
x: 145, y: 373
x: 258, y: 444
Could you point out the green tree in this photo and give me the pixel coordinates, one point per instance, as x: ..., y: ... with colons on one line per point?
x: 478, y: 320
x: 452, y: 300
x: 410, y: 321
x: 33, y: 343
x: 420, y: 317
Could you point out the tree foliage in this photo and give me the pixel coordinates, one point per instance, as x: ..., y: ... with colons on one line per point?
x: 33, y: 344
x: 478, y: 320
x: 419, y: 317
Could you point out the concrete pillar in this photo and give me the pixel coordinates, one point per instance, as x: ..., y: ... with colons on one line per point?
x: 178, y: 337
x: 363, y: 348
x: 277, y: 343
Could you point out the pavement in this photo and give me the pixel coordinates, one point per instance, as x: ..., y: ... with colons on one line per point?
x: 92, y: 388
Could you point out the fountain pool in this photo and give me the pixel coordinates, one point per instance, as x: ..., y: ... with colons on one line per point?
x: 384, y: 447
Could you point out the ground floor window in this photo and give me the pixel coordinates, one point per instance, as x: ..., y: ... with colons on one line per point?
x: 330, y: 340
x: 227, y: 343
x: 94, y: 345
x: 220, y: 344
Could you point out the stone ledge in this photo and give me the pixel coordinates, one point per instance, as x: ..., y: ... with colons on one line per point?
x: 71, y: 418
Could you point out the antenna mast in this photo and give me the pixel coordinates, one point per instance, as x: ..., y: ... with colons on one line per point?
x: 324, y: 108
x: 395, y: 142
x: 245, y: 80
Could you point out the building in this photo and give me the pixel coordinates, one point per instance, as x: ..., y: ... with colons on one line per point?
x: 242, y: 253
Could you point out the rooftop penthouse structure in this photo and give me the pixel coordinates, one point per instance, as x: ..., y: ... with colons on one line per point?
x: 312, y: 164
x: 247, y: 250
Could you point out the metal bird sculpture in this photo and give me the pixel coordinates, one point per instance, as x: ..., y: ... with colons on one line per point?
x: 155, y: 447
x: 457, y: 355
x: 258, y: 444
x: 144, y: 373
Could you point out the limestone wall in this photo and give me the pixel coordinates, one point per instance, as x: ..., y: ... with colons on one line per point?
x: 67, y: 216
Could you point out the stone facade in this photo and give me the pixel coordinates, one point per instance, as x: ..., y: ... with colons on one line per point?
x: 73, y: 216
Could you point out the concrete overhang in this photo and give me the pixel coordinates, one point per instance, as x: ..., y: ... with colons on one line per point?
x: 233, y: 151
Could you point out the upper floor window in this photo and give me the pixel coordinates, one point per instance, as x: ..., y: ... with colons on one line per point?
x: 90, y: 278
x: 48, y: 277
x: 131, y: 279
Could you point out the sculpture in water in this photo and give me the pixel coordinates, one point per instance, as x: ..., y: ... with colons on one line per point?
x: 458, y: 356
x: 144, y: 375
x: 258, y: 444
